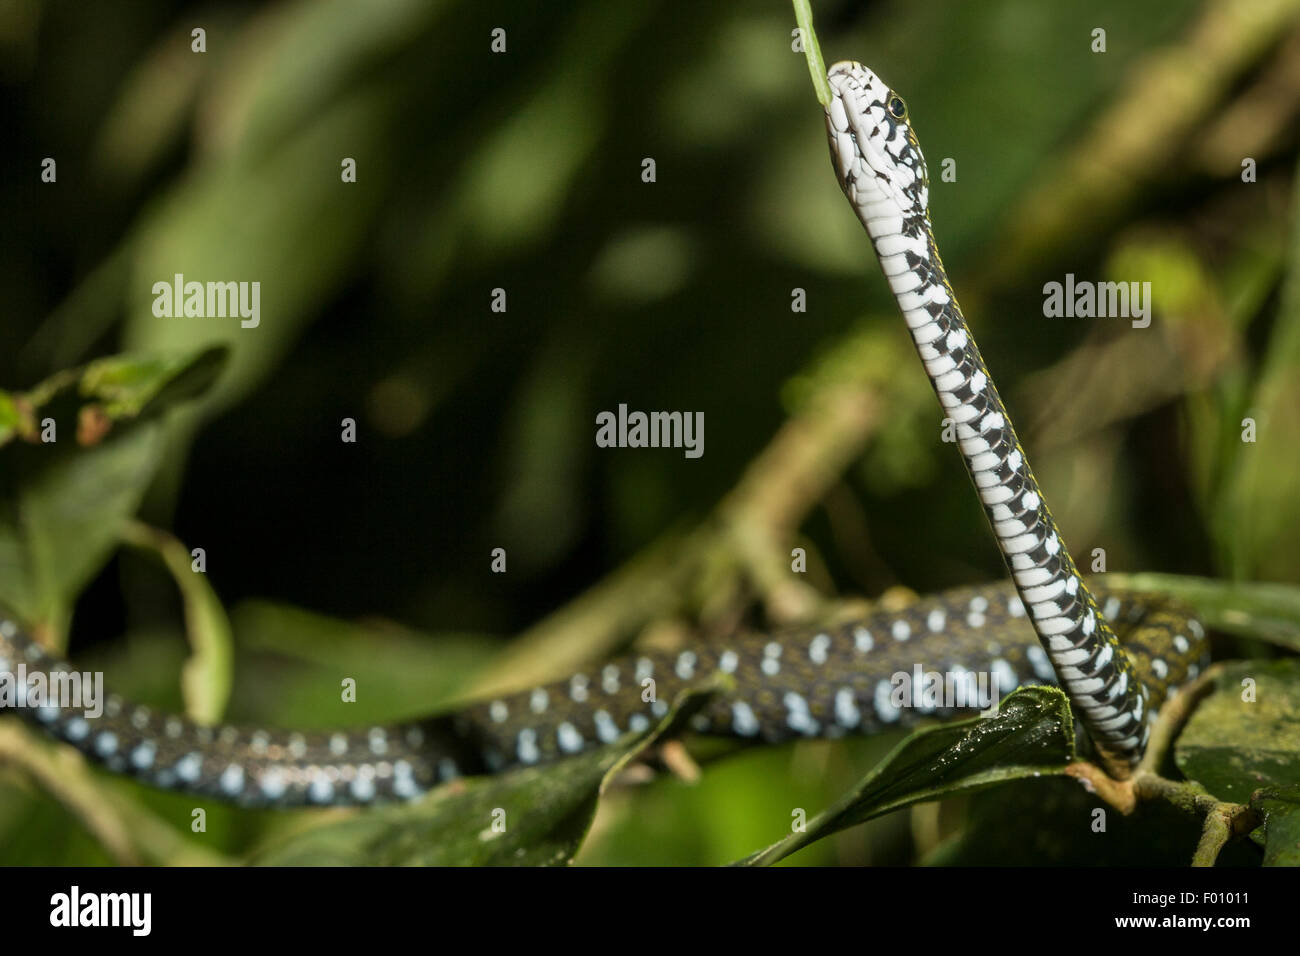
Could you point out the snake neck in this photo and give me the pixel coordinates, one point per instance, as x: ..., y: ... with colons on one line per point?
x: 1090, y: 662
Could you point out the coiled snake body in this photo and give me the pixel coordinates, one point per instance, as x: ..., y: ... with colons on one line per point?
x: 1116, y: 660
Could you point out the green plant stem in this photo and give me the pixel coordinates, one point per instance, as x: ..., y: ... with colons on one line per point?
x: 812, y: 51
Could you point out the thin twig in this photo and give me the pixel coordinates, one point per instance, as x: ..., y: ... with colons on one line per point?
x: 1223, y: 820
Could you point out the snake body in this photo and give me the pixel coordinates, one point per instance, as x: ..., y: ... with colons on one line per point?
x: 882, y: 172
x: 1117, y: 660
x: 799, y: 682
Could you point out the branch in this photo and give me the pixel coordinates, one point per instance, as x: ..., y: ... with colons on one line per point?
x: 1223, y: 820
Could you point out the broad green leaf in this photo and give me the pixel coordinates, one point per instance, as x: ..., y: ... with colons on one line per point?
x: 536, y: 816
x: 1032, y: 736
x: 1246, y: 735
x: 1281, y: 809
x: 1053, y: 821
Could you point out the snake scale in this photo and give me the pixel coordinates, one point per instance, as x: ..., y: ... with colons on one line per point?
x: 1118, y: 655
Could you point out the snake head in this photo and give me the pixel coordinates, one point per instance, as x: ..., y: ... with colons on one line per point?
x: 873, y: 149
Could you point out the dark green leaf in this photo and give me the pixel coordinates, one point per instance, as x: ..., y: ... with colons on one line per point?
x: 1246, y: 735
x: 1053, y: 821
x: 1033, y: 735
x: 1281, y: 809
x: 536, y: 816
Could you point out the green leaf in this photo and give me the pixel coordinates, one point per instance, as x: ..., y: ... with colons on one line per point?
x: 1053, y: 821
x: 207, y: 676
x: 9, y: 418
x: 1234, y: 746
x: 118, y: 387
x: 1281, y: 809
x: 65, y: 506
x: 291, y: 660
x: 546, y: 812
x: 1032, y: 736
x: 128, y: 385
x: 65, y: 520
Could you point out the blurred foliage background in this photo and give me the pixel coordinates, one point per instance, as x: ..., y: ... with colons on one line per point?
x: 522, y: 170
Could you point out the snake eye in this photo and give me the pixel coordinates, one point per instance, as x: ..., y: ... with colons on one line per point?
x: 897, y: 107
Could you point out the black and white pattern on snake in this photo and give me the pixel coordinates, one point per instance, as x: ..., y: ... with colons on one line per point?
x: 881, y: 169
x: 801, y: 682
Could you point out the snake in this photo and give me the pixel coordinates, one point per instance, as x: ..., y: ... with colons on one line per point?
x: 1118, y: 655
